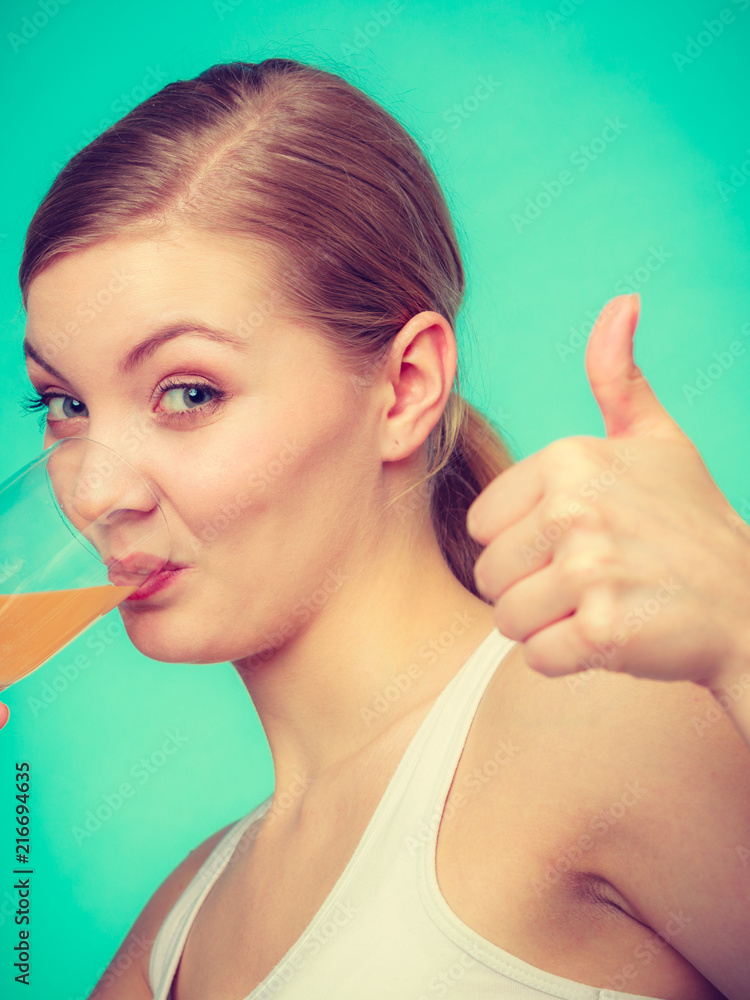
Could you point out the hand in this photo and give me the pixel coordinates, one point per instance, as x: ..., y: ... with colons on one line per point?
x: 618, y: 552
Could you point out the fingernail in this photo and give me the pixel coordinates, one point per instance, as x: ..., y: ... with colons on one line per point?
x: 621, y: 305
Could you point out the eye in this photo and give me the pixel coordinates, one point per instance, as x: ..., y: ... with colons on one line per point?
x: 41, y: 401
x: 66, y: 407
x: 60, y: 407
x: 190, y: 394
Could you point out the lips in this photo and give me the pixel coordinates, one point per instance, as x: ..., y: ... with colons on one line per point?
x: 153, y: 583
x: 135, y: 568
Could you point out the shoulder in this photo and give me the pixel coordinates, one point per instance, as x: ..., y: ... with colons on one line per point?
x: 666, y: 773
x: 608, y: 729
x: 169, y: 891
x: 125, y: 980
x: 681, y: 858
x: 624, y: 721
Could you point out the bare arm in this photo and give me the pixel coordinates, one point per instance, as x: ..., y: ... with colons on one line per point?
x: 686, y: 867
x: 126, y: 976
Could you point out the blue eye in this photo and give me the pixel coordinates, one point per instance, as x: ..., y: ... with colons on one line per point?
x: 70, y: 408
x: 216, y: 397
x: 40, y: 401
x: 189, y: 391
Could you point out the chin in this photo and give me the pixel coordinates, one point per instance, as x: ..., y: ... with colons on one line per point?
x: 168, y: 642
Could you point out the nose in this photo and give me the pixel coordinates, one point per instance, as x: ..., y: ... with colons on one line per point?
x: 101, y: 494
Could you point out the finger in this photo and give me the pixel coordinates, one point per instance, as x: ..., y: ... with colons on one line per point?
x: 530, y: 544
x: 515, y: 553
x: 568, y: 646
x: 534, y: 603
x: 509, y: 497
x: 627, y: 402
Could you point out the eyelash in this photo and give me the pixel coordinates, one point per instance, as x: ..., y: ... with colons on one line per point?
x: 40, y: 401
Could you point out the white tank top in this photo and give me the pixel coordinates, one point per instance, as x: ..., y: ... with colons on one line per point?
x: 385, y: 929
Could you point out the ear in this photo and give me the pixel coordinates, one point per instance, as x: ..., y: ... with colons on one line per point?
x: 416, y: 383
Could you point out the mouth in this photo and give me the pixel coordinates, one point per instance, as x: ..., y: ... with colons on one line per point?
x: 141, y: 566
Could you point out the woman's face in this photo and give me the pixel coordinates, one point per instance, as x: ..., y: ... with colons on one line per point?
x: 267, y: 491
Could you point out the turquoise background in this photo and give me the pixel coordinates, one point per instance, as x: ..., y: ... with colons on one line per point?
x: 665, y: 201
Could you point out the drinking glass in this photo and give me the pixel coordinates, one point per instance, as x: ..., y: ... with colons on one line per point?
x: 80, y: 531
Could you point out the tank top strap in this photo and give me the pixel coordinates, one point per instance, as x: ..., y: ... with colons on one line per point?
x: 170, y: 939
x: 406, y: 817
x: 446, y: 735
x: 411, y: 808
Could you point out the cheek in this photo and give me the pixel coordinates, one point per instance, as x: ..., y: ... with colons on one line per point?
x: 301, y: 462
x: 231, y: 480
x: 218, y: 492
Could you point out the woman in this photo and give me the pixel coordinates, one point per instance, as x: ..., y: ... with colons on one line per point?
x: 248, y: 285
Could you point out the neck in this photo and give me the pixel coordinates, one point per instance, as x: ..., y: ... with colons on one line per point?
x: 379, y: 650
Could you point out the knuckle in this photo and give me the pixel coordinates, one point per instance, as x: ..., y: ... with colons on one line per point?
x: 571, y: 450
x: 502, y: 618
x: 581, y: 569
x: 505, y: 620
x: 590, y: 517
x: 534, y: 658
x: 593, y: 628
x: 557, y: 507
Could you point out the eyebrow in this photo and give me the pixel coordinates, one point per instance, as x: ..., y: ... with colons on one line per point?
x: 138, y: 354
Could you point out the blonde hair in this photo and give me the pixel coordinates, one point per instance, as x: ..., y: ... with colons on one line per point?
x: 339, y: 197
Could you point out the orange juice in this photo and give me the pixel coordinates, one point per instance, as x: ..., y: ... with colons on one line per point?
x: 33, y: 627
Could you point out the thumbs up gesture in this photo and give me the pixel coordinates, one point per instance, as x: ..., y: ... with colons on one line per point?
x: 620, y: 552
